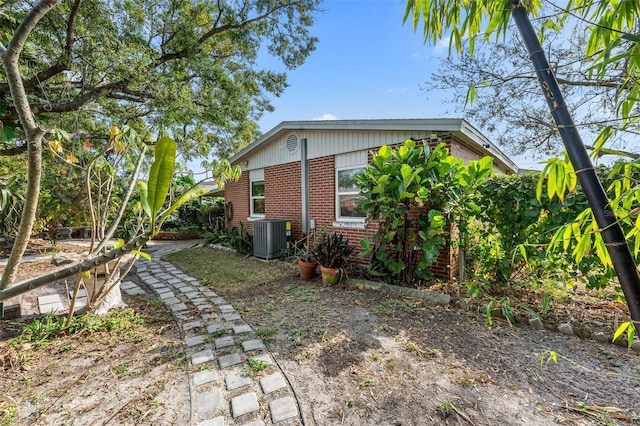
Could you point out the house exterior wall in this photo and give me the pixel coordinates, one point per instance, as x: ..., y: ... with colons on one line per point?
x: 327, y: 150
x: 283, y: 194
x: 237, y: 193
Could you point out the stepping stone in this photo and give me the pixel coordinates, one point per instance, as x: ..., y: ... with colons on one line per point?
x: 272, y: 383
x: 218, y: 301
x: 207, y: 402
x: 231, y: 317
x: 217, y: 421
x: 174, y: 281
x: 191, y: 325
x: 178, y: 307
x: 202, y: 357
x: 171, y: 300
x: 244, y: 404
x: 235, y: 381
x: 240, y: 329
x: 210, y: 293
x: 204, y: 376
x: 50, y: 303
x: 252, y: 345
x: 226, y: 309
x: 203, y: 307
x: 215, y: 327
x: 50, y: 298
x: 195, y: 341
x: 229, y: 360
x: 167, y: 295
x: 127, y: 285
x: 135, y: 291
x: 266, y: 358
x: 255, y: 423
x: 224, y: 342
x: 283, y: 408
x: 162, y: 290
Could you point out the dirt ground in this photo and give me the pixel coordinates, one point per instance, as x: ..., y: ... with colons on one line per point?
x: 353, y: 357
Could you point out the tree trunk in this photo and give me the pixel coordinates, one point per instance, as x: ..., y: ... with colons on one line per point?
x: 33, y: 132
x: 610, y: 229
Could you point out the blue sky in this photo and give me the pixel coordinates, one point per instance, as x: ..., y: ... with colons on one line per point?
x: 367, y: 65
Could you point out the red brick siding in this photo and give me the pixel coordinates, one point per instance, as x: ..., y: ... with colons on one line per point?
x: 238, y: 194
x: 283, y: 195
x: 283, y: 200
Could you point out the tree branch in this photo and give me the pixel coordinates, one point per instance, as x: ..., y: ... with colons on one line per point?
x: 72, y: 270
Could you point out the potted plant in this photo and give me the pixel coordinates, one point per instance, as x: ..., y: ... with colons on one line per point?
x: 332, y: 252
x: 306, y: 262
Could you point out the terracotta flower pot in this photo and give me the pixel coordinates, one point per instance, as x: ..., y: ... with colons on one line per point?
x: 330, y: 276
x: 307, y: 269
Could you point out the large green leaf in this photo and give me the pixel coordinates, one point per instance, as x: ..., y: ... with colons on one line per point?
x: 160, y: 174
x: 144, y: 198
x: 194, y: 192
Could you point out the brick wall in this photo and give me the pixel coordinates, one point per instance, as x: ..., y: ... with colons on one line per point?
x: 283, y: 195
x: 238, y: 194
x: 283, y: 201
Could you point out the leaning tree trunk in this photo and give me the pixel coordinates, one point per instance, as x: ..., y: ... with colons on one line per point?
x: 610, y: 229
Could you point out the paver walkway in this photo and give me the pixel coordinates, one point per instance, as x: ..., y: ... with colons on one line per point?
x: 220, y: 347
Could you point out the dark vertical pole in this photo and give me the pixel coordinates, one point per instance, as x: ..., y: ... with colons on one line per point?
x: 610, y: 230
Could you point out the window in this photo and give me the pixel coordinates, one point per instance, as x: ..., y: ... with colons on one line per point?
x: 257, y: 198
x: 348, y: 198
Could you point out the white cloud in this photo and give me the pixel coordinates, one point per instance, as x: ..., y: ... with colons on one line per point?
x: 442, y: 46
x: 326, y: 117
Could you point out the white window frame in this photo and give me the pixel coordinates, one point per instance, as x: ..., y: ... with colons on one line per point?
x: 357, y: 221
x: 252, y: 198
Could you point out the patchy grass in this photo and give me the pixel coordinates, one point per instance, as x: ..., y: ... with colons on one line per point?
x: 225, y: 271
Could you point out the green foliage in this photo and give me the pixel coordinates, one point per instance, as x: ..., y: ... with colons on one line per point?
x: 415, y: 193
x: 237, y: 238
x: 630, y: 328
x: 39, y: 331
x: 201, y: 214
x: 254, y: 366
x: 332, y: 250
x: 188, y: 67
x: 11, y: 202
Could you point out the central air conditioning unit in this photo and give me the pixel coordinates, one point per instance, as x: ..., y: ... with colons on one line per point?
x: 270, y: 238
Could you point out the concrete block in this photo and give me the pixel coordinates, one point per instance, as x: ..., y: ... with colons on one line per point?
x: 235, y: 381
x: 240, y: 329
x: 244, y: 404
x: 202, y: 357
x: 253, y: 345
x: 272, y: 383
x: 204, y: 376
x: 229, y: 360
x: 178, y: 307
x: 216, y: 421
x: 266, y: 358
x: 195, y: 341
x: 207, y: 402
x: 283, y: 408
x: 191, y: 325
x: 224, y: 342
x: 231, y: 317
